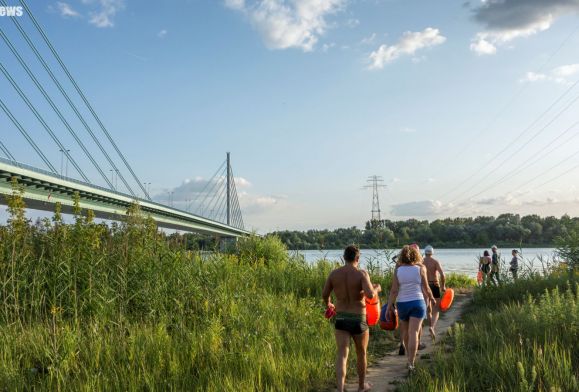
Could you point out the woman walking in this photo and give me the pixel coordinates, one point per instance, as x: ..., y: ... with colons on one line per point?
x: 408, y: 284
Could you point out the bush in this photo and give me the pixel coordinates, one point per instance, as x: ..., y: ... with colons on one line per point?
x: 261, y: 250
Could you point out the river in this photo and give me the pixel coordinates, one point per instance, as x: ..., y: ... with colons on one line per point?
x: 463, y: 261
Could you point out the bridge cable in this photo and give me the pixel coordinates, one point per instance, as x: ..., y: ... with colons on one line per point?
x: 211, y: 184
x: 81, y: 94
x: 210, y: 181
x: 67, y: 97
x: 221, y: 192
x: 211, y: 207
x: 56, y: 110
x: 236, y: 203
x: 27, y: 136
x: 41, y: 120
x: 236, y: 199
x: 6, y: 151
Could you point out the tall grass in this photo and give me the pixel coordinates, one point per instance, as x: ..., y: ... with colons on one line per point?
x: 517, y: 337
x: 89, y: 307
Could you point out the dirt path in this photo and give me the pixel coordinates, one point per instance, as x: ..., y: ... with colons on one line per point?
x: 385, y: 373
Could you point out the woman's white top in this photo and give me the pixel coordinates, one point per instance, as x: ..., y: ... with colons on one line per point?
x: 409, y: 281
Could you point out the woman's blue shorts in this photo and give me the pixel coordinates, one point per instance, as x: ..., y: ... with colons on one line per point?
x: 409, y: 309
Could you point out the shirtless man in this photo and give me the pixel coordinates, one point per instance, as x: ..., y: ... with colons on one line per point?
x: 433, y: 271
x: 349, y: 285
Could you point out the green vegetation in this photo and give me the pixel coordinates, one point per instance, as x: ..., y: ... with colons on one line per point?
x: 516, y: 337
x: 507, y: 230
x: 87, y: 307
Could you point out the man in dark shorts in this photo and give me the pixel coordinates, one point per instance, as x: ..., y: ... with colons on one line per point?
x: 350, y: 285
x: 433, y: 272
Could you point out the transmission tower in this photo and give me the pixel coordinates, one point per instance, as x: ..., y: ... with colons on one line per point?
x: 375, y: 182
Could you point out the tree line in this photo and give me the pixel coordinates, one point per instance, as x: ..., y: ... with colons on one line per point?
x: 506, y: 230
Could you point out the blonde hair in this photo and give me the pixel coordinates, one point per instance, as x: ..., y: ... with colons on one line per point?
x: 409, y: 255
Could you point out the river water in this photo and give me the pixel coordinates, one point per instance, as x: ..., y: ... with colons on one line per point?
x: 463, y: 261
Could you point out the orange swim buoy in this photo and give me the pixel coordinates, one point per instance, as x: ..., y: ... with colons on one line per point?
x: 479, y: 277
x: 446, y: 301
x: 372, y: 310
x: 389, y: 321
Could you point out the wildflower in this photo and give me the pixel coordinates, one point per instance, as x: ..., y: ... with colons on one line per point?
x: 54, y: 310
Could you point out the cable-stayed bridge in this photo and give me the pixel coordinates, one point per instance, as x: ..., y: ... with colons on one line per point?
x: 39, y: 96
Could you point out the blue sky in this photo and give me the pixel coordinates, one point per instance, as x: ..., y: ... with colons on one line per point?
x: 442, y: 99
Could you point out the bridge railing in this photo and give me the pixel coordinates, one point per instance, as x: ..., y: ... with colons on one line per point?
x: 121, y: 194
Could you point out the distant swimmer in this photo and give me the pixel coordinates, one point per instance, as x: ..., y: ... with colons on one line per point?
x: 408, y: 284
x: 434, y: 272
x: 350, y: 285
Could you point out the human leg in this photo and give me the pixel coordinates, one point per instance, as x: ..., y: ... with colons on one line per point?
x: 434, y: 318
x: 361, y: 342
x: 414, y: 325
x: 343, y: 346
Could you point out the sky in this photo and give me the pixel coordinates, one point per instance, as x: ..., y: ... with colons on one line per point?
x: 463, y: 108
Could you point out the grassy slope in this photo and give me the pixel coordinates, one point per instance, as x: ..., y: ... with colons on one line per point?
x: 518, y: 337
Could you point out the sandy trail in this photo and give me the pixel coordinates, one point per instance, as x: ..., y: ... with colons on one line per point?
x: 391, y: 369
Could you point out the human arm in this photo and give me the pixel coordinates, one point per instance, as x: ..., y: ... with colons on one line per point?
x: 424, y: 283
x: 370, y: 290
x: 328, y: 287
x: 442, y: 277
x: 393, y: 290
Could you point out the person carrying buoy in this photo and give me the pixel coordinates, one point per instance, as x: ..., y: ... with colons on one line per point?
x: 408, y: 283
x: 434, y: 272
x: 351, y: 286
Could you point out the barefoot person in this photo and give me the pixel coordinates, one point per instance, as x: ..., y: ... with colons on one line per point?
x: 408, y: 284
x: 349, y: 285
x: 433, y: 272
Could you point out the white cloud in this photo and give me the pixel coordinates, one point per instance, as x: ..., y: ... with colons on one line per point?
x: 566, y: 70
x: 424, y: 208
x: 368, y: 40
x: 408, y: 130
x: 326, y: 47
x: 481, y: 46
x: 287, y: 24
x: 66, y: 10
x: 507, y: 20
x: 408, y: 45
x: 353, y: 23
x: 107, y: 9
x: 557, y: 75
x: 162, y: 33
x: 235, y: 4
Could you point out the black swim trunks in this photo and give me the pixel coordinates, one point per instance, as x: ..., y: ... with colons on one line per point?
x: 435, y: 288
x: 353, y: 323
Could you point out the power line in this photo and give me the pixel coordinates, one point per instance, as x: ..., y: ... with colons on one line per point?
x: 504, y: 108
x: 81, y: 94
x: 526, y: 164
x: 66, y: 96
x: 507, y: 146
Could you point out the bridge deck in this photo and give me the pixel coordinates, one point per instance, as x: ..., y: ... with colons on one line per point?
x: 44, y: 189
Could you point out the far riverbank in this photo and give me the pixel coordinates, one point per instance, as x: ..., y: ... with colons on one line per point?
x: 463, y: 261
